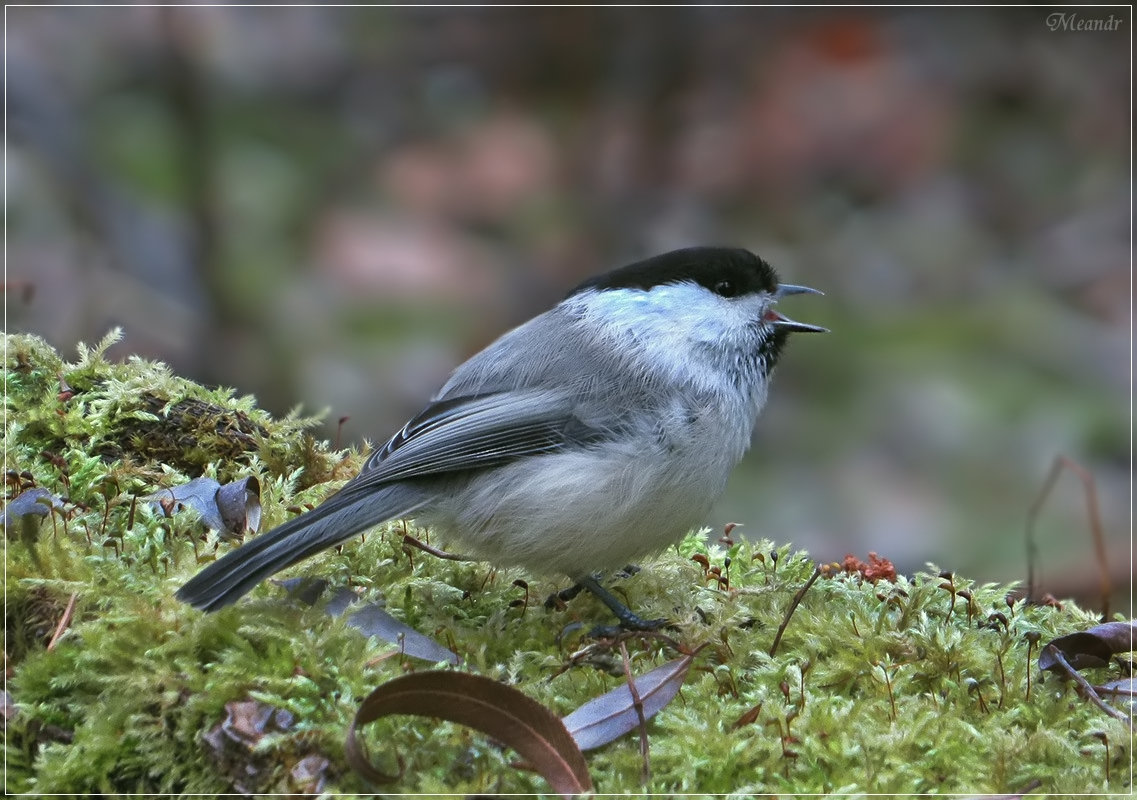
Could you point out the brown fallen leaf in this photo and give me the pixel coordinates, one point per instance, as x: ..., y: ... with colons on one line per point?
x: 231, y: 509
x: 234, y: 749
x: 1030, y: 787
x: 610, y: 716
x: 240, y: 505
x: 1124, y: 689
x: 1090, y: 649
x: 370, y: 620
x: 35, y: 502
x: 1093, y: 647
x: 485, y: 705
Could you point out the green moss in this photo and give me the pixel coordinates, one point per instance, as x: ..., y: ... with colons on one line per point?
x: 888, y: 688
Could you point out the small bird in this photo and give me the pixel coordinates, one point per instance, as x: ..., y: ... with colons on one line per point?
x: 598, y: 432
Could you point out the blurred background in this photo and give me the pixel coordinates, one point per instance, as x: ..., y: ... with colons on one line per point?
x: 334, y: 206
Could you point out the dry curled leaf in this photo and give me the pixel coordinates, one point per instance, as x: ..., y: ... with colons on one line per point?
x: 234, y: 749
x: 231, y: 509
x: 1030, y: 787
x: 310, y: 774
x: 8, y: 707
x: 240, y: 505
x: 306, y: 589
x: 371, y: 620
x: 485, y: 705
x: 1091, y: 648
x: 1125, y: 689
x: 248, y: 721
x: 36, y: 502
x: 610, y: 716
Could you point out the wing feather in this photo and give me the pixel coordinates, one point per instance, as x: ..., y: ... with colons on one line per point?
x: 475, y: 432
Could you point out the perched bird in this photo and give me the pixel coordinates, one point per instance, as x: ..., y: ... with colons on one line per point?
x: 597, y: 432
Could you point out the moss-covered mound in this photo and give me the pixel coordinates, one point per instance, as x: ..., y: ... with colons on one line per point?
x: 888, y: 687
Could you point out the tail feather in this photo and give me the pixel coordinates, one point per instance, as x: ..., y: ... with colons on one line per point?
x: 339, y: 518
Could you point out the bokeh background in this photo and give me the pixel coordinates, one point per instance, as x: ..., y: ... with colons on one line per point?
x: 334, y: 206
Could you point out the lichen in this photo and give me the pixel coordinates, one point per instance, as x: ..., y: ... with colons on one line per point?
x: 893, y: 687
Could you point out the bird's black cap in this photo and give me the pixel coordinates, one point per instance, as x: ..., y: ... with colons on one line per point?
x: 728, y: 271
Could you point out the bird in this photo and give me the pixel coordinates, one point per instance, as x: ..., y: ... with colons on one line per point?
x: 596, y: 433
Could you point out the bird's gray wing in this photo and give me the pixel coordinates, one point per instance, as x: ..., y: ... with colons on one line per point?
x: 475, y: 432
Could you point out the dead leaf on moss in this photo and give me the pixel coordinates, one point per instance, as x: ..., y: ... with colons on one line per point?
x: 371, y: 620
x: 36, y: 502
x: 8, y: 708
x: 1091, y: 648
x: 231, y: 509
x: 310, y: 775
x: 22, y: 515
x: 610, y: 716
x: 240, y: 505
x: 485, y: 705
x: 1030, y: 787
x: 1125, y: 688
x: 306, y: 589
x: 233, y: 749
x: 247, y: 721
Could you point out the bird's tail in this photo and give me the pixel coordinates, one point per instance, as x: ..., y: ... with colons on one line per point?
x: 339, y: 518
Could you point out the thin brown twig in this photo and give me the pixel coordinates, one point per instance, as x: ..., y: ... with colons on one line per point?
x: 434, y: 551
x: 64, y: 621
x: 793, y: 607
x: 1096, y: 531
x: 637, y: 703
x: 1056, y: 654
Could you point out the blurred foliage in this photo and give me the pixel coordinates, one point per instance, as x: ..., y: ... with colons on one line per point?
x: 335, y: 205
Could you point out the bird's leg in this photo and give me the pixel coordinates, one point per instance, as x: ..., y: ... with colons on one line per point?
x: 628, y: 619
x: 563, y: 596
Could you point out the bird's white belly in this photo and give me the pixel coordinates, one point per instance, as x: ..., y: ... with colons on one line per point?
x: 574, y: 513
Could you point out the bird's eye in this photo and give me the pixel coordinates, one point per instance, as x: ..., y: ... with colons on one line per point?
x: 726, y: 288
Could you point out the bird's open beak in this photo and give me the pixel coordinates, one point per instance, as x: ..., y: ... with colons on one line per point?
x: 789, y: 288
x: 784, y: 322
